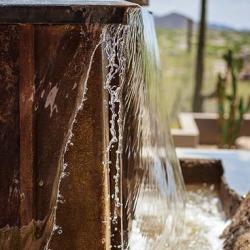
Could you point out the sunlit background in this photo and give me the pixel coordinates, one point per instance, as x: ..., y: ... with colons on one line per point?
x: 234, y: 13
x: 228, y: 28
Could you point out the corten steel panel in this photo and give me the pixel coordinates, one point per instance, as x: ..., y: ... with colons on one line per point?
x: 62, y: 55
x: 61, y: 63
x: 36, y: 117
x: 56, y: 62
x: 9, y: 126
x: 26, y: 100
x: 201, y: 171
x: 85, y: 209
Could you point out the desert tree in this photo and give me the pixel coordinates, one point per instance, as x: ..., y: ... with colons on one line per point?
x: 199, y: 73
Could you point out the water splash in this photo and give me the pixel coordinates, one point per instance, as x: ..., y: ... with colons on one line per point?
x: 205, y: 219
x: 153, y: 189
x: 50, y: 100
x: 113, y: 39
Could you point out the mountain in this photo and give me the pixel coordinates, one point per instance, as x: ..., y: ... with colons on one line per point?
x: 215, y: 26
x: 179, y: 21
x: 173, y: 20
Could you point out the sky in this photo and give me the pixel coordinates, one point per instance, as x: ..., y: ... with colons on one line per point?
x: 233, y: 13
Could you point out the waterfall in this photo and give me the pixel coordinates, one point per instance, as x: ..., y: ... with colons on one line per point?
x: 151, y: 207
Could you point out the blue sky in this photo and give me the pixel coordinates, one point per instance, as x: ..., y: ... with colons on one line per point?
x: 235, y: 13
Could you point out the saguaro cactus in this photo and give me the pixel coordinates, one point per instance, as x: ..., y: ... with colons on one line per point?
x: 231, y: 107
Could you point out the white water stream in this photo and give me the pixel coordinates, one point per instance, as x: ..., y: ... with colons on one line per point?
x: 204, y: 221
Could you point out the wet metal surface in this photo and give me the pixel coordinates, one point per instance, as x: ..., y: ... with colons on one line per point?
x: 64, y: 2
x: 44, y: 70
x: 54, y: 66
x: 59, y: 65
x: 9, y: 126
x: 26, y: 101
x: 84, y: 189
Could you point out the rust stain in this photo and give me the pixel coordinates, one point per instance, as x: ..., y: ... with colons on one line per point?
x: 26, y: 55
x: 85, y: 189
x: 9, y: 126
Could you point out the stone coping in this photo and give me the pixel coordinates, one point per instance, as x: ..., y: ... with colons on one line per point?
x: 188, y: 135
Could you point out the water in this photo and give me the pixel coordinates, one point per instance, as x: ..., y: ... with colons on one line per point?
x: 153, y: 189
x: 205, y: 219
x: 150, y: 211
x: 138, y: 126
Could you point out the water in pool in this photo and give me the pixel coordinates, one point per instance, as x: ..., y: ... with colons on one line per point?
x: 204, y: 221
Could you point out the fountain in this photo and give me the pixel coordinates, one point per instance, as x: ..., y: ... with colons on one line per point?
x: 87, y: 160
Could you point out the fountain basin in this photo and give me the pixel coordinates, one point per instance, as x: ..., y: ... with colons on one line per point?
x: 204, y: 218
x: 230, y: 171
x: 236, y: 165
x: 229, y: 178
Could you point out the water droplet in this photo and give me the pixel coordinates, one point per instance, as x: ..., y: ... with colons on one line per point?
x: 16, y: 181
x: 65, y: 165
x: 60, y: 231
x: 40, y: 183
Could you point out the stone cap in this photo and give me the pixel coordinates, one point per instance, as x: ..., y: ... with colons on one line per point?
x: 64, y: 11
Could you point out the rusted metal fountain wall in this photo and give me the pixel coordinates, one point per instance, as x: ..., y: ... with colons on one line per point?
x: 42, y: 57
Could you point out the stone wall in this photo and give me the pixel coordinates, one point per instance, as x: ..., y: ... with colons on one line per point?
x: 237, y: 234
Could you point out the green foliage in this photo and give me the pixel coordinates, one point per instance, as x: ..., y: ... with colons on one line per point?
x: 178, y: 67
x: 231, y: 107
